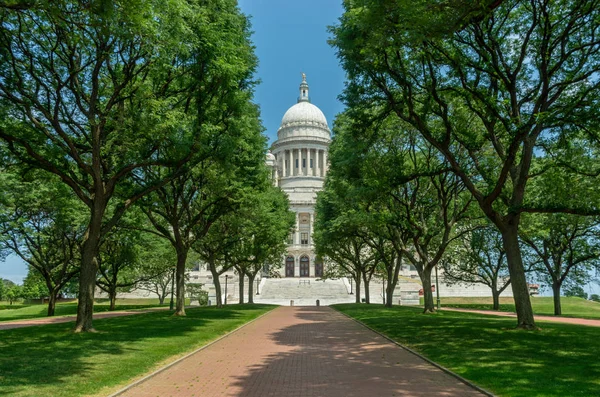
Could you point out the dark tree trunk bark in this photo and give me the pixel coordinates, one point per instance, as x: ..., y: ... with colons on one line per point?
x: 496, y: 299
x: 366, y: 287
x: 428, y: 306
x: 87, y: 279
x: 182, y: 253
x: 251, y: 289
x: 241, y: 288
x: 510, y: 241
x: 112, y: 295
x: 357, y: 288
x: 161, y: 299
x: 556, y: 295
x: 51, y: 303
x: 217, y: 284
x: 392, y: 280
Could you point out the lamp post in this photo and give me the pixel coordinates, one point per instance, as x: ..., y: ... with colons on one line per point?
x: 351, y: 293
x: 172, y: 289
x: 383, y: 291
x: 257, y: 286
x: 437, y: 288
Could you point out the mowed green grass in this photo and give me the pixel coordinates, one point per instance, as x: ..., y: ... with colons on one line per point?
x: 50, y: 360
x: 542, y: 305
x: 24, y: 311
x: 557, y: 360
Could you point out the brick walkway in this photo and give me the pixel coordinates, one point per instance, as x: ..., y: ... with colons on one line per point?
x: 65, y: 319
x: 302, y: 351
x: 551, y: 319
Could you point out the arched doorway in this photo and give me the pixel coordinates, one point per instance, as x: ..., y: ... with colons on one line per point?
x: 318, y: 269
x: 289, y: 266
x: 304, y: 266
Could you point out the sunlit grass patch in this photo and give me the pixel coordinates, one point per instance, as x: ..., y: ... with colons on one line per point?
x: 557, y: 360
x: 50, y: 360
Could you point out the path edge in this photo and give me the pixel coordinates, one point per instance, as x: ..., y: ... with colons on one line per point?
x: 440, y: 367
x: 164, y: 368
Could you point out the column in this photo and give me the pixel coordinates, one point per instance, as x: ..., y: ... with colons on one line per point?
x: 297, y: 232
x: 325, y: 168
x: 299, y: 160
x: 308, y: 169
x: 317, y: 169
x: 292, y: 162
x: 283, y: 160
x: 320, y: 168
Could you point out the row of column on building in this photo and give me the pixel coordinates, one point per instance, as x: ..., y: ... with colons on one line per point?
x: 307, y: 162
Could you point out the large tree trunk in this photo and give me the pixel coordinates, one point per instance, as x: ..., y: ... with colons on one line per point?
x: 251, y: 289
x: 182, y: 253
x: 241, y: 288
x: 428, y: 306
x: 161, y: 300
x: 357, y: 288
x: 496, y: 299
x: 51, y: 303
x: 389, y: 292
x: 556, y: 292
x: 87, y: 279
x: 112, y: 296
x: 366, y: 286
x: 510, y: 241
x: 217, y: 283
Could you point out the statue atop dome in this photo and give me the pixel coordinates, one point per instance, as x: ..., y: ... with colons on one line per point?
x: 303, y: 90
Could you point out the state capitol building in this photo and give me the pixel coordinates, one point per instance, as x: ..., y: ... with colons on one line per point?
x: 298, y: 159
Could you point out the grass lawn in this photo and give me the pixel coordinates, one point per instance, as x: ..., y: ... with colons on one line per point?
x: 558, y: 360
x: 543, y: 305
x: 50, y: 360
x: 26, y: 311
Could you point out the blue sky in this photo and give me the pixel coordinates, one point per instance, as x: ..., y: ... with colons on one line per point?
x: 290, y: 39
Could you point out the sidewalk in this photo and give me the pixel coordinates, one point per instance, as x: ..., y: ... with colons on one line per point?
x: 65, y: 319
x: 302, y: 351
x: 552, y: 319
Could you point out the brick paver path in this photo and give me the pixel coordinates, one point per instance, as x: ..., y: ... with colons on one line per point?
x: 65, y: 319
x: 302, y: 351
x: 552, y: 319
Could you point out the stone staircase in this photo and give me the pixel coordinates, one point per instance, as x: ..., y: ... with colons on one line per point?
x: 303, y: 291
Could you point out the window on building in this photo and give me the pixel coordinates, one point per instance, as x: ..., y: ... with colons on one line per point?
x: 304, y: 238
x: 303, y: 163
x: 297, y: 163
x: 311, y: 163
x: 290, y: 239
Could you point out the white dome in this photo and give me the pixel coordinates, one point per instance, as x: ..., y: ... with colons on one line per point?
x: 304, y: 114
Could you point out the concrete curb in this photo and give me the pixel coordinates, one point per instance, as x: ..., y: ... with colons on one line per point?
x: 158, y: 371
x: 443, y: 369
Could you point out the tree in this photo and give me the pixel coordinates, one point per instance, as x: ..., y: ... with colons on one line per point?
x: 266, y: 223
x: 576, y: 291
x: 231, y: 156
x: 14, y: 293
x: 566, y: 246
x: 160, y: 259
x: 337, y: 239
x: 41, y: 223
x: 501, y: 95
x: 94, y: 92
x: 479, y: 258
x: 595, y: 297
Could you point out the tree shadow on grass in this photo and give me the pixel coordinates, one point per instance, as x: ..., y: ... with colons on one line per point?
x: 34, y: 358
x: 558, y: 360
x: 325, y: 354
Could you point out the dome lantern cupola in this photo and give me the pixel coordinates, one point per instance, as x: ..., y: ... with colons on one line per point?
x: 303, y: 90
